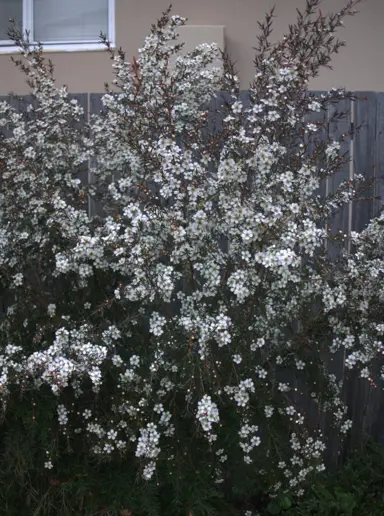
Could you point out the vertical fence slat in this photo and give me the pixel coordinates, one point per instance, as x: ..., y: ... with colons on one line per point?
x: 369, y: 155
x: 95, y: 104
x: 82, y: 99
x: 379, y: 169
x: 95, y: 108
x: 83, y: 169
x: 318, y: 117
x: 308, y: 405
x: 365, y: 155
x: 2, y: 293
x: 339, y: 222
x: 216, y: 112
x: 332, y: 129
x: 364, y: 400
x: 19, y: 103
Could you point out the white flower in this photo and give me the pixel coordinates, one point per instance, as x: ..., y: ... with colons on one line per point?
x: 237, y: 107
x: 258, y: 344
x: 312, y: 128
x: 207, y: 413
x: 273, y: 116
x: 18, y: 279
x: 112, y: 434
x: 159, y: 408
x: 332, y: 150
x: 51, y: 309
x: 108, y: 448
x: 30, y: 153
x: 134, y: 361
x: 117, y: 360
x: 237, y: 359
x: 63, y: 415
x: 149, y: 471
x: 314, y: 106
x: 157, y: 322
x: 283, y: 387
x: 247, y: 235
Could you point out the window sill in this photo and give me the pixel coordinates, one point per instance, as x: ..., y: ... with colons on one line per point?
x: 60, y: 47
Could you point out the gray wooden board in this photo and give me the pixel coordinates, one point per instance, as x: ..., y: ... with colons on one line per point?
x: 369, y: 155
x: 311, y: 143
x: 315, y: 117
x: 95, y: 108
x: 82, y: 99
x: 339, y: 222
x: 20, y: 103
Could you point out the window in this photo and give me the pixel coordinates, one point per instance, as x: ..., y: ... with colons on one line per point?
x: 59, y: 24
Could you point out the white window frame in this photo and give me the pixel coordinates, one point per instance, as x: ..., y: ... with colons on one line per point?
x: 8, y: 47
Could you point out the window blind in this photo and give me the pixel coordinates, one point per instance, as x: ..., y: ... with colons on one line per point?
x: 69, y: 20
x: 9, y: 9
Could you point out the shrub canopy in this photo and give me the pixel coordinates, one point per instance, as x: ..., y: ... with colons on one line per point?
x: 160, y: 327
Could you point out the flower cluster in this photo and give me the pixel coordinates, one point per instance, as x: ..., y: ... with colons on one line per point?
x: 207, y: 414
x: 248, y: 440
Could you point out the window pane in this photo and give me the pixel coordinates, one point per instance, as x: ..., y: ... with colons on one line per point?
x: 9, y: 9
x: 70, y: 20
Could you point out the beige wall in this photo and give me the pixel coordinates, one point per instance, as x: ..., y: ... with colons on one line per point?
x: 360, y: 66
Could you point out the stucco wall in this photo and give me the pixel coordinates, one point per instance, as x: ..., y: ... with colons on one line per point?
x: 360, y: 66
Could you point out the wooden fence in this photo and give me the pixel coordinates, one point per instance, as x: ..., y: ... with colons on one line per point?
x: 366, y: 147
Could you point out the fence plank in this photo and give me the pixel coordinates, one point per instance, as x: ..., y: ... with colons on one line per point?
x: 369, y: 155
x: 83, y: 171
x: 19, y: 103
x: 333, y: 363
x: 340, y: 221
x: 95, y: 103
x: 95, y: 108
x: 379, y: 168
x: 318, y: 117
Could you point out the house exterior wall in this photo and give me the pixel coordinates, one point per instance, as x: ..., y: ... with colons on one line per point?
x: 359, y: 66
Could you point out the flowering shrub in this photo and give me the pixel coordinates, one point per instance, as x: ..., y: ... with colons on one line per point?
x: 164, y: 323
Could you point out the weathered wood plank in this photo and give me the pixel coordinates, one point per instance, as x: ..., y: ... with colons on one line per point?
x: 337, y: 131
x: 315, y: 117
x: 368, y: 156
x: 379, y: 169
x: 95, y: 103
x: 83, y: 172
x: 19, y: 103
x: 95, y: 108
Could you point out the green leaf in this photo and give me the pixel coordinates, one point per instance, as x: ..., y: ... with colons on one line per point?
x: 322, y: 492
x: 347, y: 501
x: 285, y: 502
x: 274, y: 507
